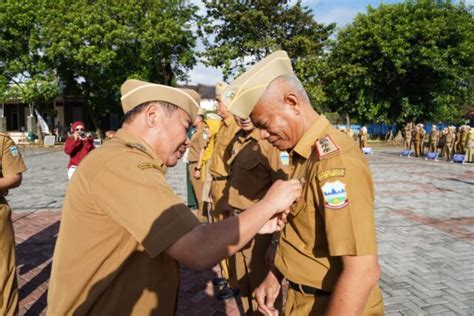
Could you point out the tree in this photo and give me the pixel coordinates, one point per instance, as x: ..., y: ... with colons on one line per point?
x: 24, y: 72
x: 237, y: 34
x: 95, y: 45
x: 92, y: 46
x: 404, y: 61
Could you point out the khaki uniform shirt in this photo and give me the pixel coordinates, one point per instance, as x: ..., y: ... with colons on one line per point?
x: 198, y: 141
x: 222, y: 151
x: 335, y: 214
x: 433, y: 136
x: 119, y: 217
x: 255, y: 165
x: 11, y: 163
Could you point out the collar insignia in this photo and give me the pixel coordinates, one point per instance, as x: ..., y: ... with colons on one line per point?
x: 326, y: 147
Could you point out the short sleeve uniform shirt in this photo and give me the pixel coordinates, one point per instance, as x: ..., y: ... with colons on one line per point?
x: 119, y: 217
x: 335, y: 214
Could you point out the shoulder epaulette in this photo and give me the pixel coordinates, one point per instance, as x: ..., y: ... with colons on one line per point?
x: 136, y: 146
x: 326, y: 147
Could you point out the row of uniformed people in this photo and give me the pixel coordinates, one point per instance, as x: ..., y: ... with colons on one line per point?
x: 448, y: 141
x: 123, y: 229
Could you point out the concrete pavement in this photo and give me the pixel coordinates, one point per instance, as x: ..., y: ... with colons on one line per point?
x: 425, y: 226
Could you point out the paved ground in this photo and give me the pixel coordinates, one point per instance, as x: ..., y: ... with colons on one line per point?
x: 425, y: 224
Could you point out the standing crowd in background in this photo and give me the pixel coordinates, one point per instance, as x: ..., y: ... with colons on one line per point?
x: 446, y: 142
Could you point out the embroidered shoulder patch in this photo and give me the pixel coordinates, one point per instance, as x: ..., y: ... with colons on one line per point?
x: 148, y: 165
x: 326, y: 147
x: 14, y: 151
x: 331, y: 173
x: 335, y: 195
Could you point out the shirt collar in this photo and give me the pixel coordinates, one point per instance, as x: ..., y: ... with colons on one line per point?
x: 132, y: 141
x: 228, y: 121
x: 304, y: 146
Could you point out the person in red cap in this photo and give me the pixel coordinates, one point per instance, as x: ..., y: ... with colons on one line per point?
x: 77, y: 146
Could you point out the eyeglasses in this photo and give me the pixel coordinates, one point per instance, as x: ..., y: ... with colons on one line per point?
x: 79, y: 129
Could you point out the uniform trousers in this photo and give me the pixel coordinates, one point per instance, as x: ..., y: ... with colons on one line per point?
x: 197, y: 186
x: 219, y: 199
x: 300, y: 304
x: 8, y: 281
x: 248, y: 269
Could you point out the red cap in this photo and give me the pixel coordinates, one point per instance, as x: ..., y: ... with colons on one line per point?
x: 76, y: 124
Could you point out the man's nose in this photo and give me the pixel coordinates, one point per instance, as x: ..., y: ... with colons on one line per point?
x: 264, y: 134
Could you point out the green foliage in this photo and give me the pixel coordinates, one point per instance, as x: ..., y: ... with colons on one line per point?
x: 405, y: 61
x: 24, y: 72
x: 239, y: 33
x: 92, y: 46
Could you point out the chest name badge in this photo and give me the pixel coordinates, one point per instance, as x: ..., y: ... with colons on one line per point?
x: 284, y: 158
x: 335, y: 195
x: 14, y: 151
x: 331, y: 173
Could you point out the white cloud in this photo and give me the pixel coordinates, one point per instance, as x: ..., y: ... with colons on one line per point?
x: 340, y: 15
x: 204, y: 75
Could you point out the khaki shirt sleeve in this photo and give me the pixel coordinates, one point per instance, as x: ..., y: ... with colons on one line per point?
x: 143, y: 203
x: 346, y: 203
x: 12, y: 162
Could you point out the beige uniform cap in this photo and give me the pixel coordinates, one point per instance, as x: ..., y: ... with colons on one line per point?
x: 135, y: 92
x: 201, y: 111
x: 243, y: 93
x: 220, y: 87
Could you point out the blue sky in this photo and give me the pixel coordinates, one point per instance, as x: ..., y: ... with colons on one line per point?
x: 341, y: 12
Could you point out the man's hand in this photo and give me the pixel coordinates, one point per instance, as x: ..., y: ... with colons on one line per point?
x: 282, y: 194
x: 274, y: 224
x: 197, y: 174
x: 266, y: 294
x: 77, y: 135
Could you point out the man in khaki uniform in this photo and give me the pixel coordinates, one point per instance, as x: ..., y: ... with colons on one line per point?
x: 254, y: 165
x: 470, y: 145
x: 123, y: 229
x: 448, y: 148
x: 219, y: 172
x: 407, y: 136
x: 418, y: 138
x: 328, y: 249
x: 433, y: 140
x: 11, y: 169
x: 197, y: 145
x: 218, y: 167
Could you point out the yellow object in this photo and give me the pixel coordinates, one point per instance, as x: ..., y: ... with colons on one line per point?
x: 213, y: 126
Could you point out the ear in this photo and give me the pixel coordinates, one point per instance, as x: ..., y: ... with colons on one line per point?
x: 151, y: 114
x: 292, y: 101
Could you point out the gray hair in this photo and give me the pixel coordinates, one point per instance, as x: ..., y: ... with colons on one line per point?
x: 289, y: 80
x: 168, y: 109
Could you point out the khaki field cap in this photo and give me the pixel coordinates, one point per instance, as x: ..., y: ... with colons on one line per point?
x: 220, y: 87
x: 243, y: 93
x: 135, y: 92
x: 201, y: 111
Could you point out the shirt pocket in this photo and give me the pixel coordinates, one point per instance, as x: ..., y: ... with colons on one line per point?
x: 249, y: 164
x: 298, y: 206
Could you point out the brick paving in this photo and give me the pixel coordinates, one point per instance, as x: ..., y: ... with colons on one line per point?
x: 425, y: 226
